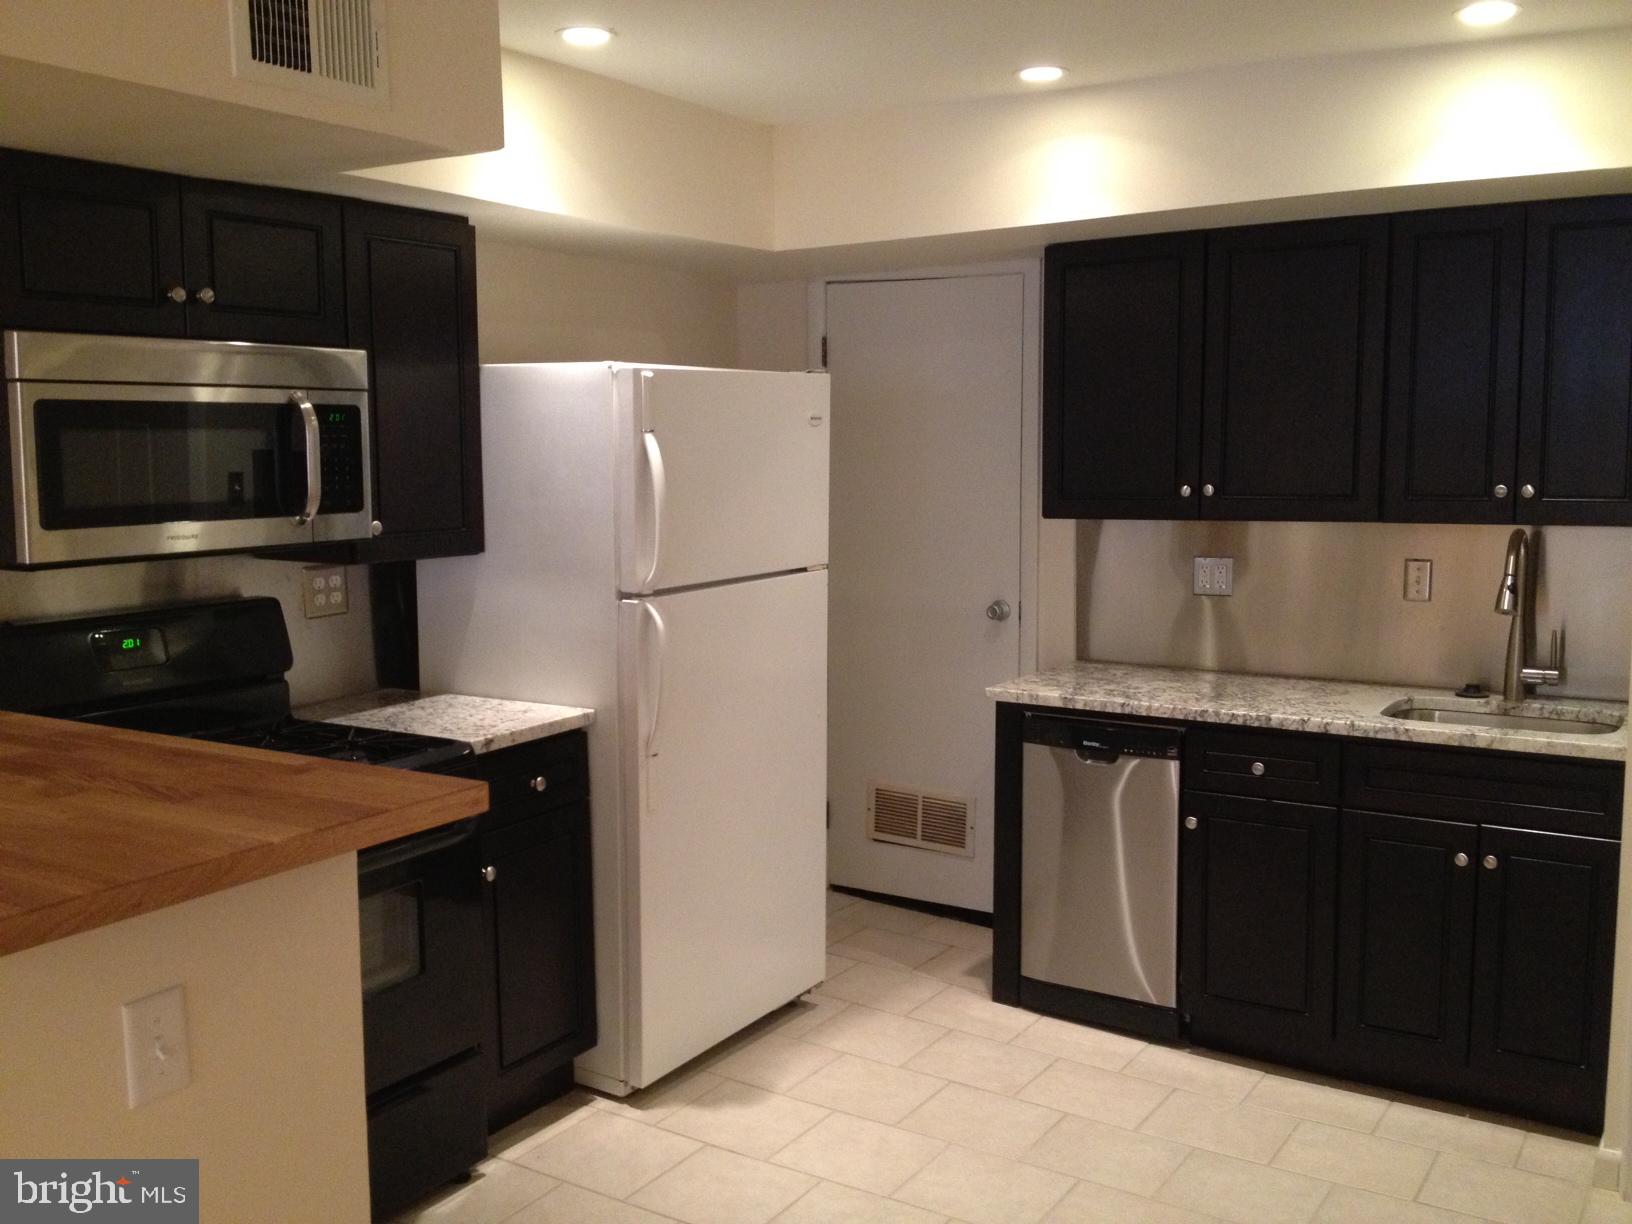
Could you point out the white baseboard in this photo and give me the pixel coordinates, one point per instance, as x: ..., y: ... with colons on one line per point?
x: 1606, y: 1173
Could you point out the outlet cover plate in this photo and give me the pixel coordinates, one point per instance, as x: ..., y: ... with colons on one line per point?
x: 1213, y: 576
x: 324, y: 587
x: 1419, y: 580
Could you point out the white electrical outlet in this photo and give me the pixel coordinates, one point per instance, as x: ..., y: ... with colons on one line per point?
x: 1419, y: 580
x: 1213, y: 576
x: 325, y: 590
x: 156, y: 1062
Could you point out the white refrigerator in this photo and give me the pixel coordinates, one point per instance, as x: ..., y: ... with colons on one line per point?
x: 657, y: 550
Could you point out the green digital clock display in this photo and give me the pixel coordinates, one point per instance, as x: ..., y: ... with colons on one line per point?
x: 337, y: 418
x: 124, y: 649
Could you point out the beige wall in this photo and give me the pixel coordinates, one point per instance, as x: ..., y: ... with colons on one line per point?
x: 772, y: 327
x: 1258, y: 132
x: 1324, y: 599
x: 582, y: 146
x: 334, y: 655
x: 149, y: 82
x: 274, y: 1112
x: 535, y: 304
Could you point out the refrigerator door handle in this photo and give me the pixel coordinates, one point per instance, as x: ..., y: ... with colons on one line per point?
x: 654, y: 466
x: 657, y: 688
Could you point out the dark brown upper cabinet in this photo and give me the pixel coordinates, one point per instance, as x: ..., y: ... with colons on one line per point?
x: 88, y: 247
x: 1455, y: 312
x: 411, y: 285
x: 263, y: 265
x: 1292, y: 418
x: 1122, y: 378
x: 1575, y: 419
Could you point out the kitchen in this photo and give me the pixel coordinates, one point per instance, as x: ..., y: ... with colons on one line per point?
x: 739, y: 230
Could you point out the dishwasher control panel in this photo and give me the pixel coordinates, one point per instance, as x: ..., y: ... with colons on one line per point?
x: 1101, y: 738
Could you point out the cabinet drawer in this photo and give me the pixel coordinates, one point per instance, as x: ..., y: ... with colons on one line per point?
x: 423, y: 1133
x: 1303, y: 769
x: 543, y: 773
x: 1546, y: 794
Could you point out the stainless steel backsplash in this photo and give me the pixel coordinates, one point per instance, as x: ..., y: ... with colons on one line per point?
x: 1326, y: 600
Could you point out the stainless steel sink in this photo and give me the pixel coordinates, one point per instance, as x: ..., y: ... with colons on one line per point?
x: 1593, y: 723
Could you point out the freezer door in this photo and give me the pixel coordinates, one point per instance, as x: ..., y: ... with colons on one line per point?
x: 722, y: 475
x: 724, y: 712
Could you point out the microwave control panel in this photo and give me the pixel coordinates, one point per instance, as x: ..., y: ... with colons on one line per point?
x: 340, y: 431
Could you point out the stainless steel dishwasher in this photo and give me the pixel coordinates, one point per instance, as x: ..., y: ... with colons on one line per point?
x: 1100, y: 869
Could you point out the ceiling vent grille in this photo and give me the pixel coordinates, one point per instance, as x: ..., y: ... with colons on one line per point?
x: 928, y: 821
x: 332, y: 47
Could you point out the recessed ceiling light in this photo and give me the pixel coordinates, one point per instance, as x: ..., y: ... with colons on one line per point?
x: 1487, y: 12
x: 1040, y: 74
x: 586, y: 36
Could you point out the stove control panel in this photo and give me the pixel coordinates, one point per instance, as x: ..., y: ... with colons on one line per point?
x: 124, y: 649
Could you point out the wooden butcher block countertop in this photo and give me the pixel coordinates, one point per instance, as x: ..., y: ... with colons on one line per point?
x: 99, y: 824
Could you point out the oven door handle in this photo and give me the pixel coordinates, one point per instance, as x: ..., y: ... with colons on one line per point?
x: 314, y: 457
x: 377, y: 858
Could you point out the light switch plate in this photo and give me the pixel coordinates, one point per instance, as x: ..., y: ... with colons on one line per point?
x: 1213, y: 576
x: 156, y: 1062
x: 1419, y: 580
x: 325, y: 590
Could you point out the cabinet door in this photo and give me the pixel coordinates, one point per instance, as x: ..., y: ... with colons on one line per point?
x: 88, y: 247
x: 1292, y: 422
x: 1122, y: 378
x: 1258, y: 881
x: 1575, y: 417
x: 263, y: 265
x: 540, y: 927
x: 411, y: 283
x: 1453, y: 365
x: 1543, y: 965
x: 1405, y: 952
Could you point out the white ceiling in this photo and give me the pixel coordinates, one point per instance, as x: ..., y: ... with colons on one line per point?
x: 793, y: 61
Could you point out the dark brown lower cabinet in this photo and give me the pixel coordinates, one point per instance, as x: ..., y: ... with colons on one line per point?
x: 1259, y: 901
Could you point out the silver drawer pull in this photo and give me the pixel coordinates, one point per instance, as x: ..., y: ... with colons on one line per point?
x: 1191, y: 822
x: 1490, y: 862
x: 1461, y: 860
x: 1257, y: 769
x: 490, y: 874
x: 539, y: 783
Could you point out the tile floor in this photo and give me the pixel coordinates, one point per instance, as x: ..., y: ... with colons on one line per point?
x: 899, y: 1093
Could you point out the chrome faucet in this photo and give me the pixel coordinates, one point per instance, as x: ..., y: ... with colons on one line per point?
x: 1516, y: 597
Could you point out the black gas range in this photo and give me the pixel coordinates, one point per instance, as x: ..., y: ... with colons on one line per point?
x: 215, y: 671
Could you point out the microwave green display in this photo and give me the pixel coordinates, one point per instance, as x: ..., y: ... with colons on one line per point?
x: 337, y: 418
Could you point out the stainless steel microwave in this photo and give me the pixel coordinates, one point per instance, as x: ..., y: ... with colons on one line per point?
x: 122, y: 447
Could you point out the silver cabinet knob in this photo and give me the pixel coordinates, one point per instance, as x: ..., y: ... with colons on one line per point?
x: 1206, y: 490
x: 998, y: 610
x: 1490, y: 862
x: 205, y: 295
x: 1461, y: 860
x: 539, y: 783
x: 1185, y: 490
x: 1527, y: 491
x: 1500, y: 490
x: 1191, y: 822
x: 490, y: 874
x: 176, y: 293
x: 1257, y: 769
x: 375, y: 527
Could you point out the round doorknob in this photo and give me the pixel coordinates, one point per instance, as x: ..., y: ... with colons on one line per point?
x: 1500, y: 490
x: 1206, y: 490
x: 490, y: 874
x: 1527, y: 491
x: 1257, y: 769
x: 1190, y: 822
x: 539, y: 783
x: 176, y: 293
x: 205, y: 295
x: 1461, y: 860
x: 998, y: 610
x: 1185, y: 490
x: 375, y: 527
x: 1490, y: 862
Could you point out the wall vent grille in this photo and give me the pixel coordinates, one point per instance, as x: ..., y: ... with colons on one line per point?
x: 905, y: 817
x: 334, y: 47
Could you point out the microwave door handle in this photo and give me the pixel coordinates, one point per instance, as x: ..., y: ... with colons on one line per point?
x: 314, y: 457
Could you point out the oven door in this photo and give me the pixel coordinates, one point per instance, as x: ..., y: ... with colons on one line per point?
x: 420, y: 907
x: 103, y: 471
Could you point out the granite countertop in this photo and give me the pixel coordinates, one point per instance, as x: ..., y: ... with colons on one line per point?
x: 1330, y: 707
x: 485, y: 723
x: 100, y: 824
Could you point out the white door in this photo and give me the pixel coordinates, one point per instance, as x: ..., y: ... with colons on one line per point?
x: 926, y: 535
x: 725, y: 721
x: 723, y: 475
